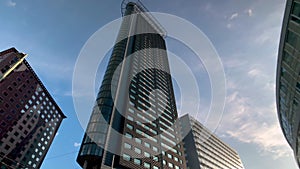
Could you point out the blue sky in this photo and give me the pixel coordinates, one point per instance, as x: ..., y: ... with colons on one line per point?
x: 245, y: 34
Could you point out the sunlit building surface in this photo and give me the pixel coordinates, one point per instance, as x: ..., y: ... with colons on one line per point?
x: 29, y: 117
x: 204, y: 150
x: 288, y: 76
x: 143, y: 111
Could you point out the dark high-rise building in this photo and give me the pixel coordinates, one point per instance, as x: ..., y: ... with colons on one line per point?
x: 288, y: 76
x: 142, y: 109
x: 204, y: 150
x: 29, y: 117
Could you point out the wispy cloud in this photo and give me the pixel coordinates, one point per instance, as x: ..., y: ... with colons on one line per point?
x: 254, y: 72
x: 268, y: 35
x: 76, y: 144
x: 11, y: 3
x: 233, y: 16
x: 229, y: 25
x: 268, y: 31
x: 249, y: 122
x: 230, y: 19
x: 234, y: 62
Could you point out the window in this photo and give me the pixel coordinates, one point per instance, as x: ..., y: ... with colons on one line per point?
x: 298, y: 86
x: 287, y: 58
x: 12, y: 140
x: 130, y: 118
x: 155, y: 149
x: 7, y: 147
x: 155, y: 167
x: 128, y: 135
x: 138, y: 140
x: 146, y: 154
x: 146, y: 165
x: 292, y: 38
x: 175, y: 158
x: 132, y: 97
x: 129, y: 126
x: 131, y: 110
x: 170, y: 165
x: 127, y: 146
x: 147, y: 144
x: 296, y: 9
x: 137, y: 150
x: 137, y: 161
x: 126, y: 157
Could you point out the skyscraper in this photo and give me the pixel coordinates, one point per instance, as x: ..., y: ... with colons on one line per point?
x: 29, y: 116
x: 136, y: 100
x: 288, y: 77
x: 205, y: 150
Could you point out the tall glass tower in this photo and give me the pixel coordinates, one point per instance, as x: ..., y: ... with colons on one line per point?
x: 134, y: 121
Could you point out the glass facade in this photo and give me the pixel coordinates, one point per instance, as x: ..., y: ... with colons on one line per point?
x: 204, y: 150
x: 288, y: 76
x: 146, y: 112
x: 29, y: 117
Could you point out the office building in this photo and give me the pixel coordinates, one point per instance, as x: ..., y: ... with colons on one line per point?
x: 29, y: 117
x: 204, y: 150
x: 142, y: 110
x: 288, y: 76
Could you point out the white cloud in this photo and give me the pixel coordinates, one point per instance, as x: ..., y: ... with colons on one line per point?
x: 233, y: 16
x: 76, y: 144
x: 249, y: 123
x: 249, y: 12
x: 250, y: 114
x: 10, y: 3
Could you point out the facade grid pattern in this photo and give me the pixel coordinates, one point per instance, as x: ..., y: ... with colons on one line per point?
x: 146, y: 118
x: 204, y: 150
x: 29, y: 116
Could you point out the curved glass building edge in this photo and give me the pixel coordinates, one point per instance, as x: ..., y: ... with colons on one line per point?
x: 288, y: 76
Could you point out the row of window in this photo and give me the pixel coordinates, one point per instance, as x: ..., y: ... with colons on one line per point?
x: 139, y: 141
x: 137, y: 161
x: 201, y: 136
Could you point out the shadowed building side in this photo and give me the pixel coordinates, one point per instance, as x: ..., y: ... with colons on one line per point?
x: 288, y: 76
